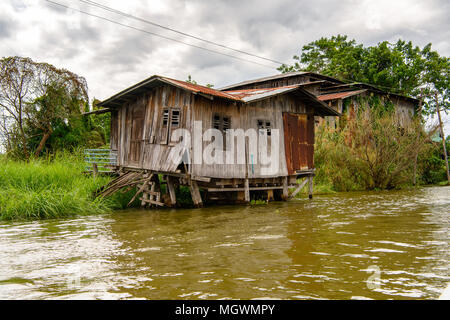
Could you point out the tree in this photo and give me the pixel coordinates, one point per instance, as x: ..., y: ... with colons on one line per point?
x: 34, y: 97
x: 399, y: 68
x: 371, y: 152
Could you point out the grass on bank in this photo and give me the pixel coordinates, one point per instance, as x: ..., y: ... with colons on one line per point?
x: 45, y: 189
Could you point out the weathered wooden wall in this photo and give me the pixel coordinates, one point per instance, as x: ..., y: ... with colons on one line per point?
x: 404, y: 109
x: 114, y: 130
x: 246, y: 117
x: 143, y: 142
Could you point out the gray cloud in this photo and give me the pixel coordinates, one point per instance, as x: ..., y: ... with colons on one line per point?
x: 6, y: 27
x: 112, y: 57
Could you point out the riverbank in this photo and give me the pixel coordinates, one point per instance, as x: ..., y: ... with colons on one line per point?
x: 57, y: 188
x: 43, y: 189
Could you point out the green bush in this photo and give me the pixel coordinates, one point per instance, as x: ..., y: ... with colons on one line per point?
x: 370, y: 152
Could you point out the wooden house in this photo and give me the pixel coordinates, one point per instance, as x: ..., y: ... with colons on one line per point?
x: 146, y: 118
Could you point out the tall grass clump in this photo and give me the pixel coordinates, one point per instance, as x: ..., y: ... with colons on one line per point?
x: 50, y: 188
x: 372, y: 151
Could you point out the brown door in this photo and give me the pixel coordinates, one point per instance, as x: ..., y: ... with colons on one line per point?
x: 137, y: 127
x: 298, y: 141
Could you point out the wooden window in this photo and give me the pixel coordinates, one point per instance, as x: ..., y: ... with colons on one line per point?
x: 171, y: 119
x: 226, y: 123
x: 165, y: 117
x: 175, y: 118
x: 264, y: 126
x: 216, y: 121
x: 221, y: 122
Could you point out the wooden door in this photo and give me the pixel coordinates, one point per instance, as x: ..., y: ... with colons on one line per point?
x: 136, y: 139
x: 298, y: 141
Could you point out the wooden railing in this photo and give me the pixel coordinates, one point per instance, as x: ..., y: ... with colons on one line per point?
x: 100, y: 160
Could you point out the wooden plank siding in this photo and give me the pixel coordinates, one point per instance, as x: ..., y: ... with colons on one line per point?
x: 143, y: 141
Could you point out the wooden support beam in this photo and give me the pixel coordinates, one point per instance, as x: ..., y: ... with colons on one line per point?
x: 152, y: 202
x: 250, y: 188
x: 310, y: 186
x: 202, y: 179
x: 171, y: 189
x: 195, y: 194
x: 269, y: 195
x: 285, y: 195
x: 247, y: 191
x: 144, y: 199
x: 137, y: 193
x: 300, y: 186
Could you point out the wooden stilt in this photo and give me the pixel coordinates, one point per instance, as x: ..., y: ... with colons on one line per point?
x: 285, y: 195
x: 195, y: 193
x: 247, y: 191
x: 171, y: 189
x: 144, y: 198
x: 269, y: 195
x: 310, y: 186
x: 157, y: 189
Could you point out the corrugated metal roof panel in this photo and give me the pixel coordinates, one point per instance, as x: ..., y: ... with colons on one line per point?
x: 339, y: 95
x: 280, y: 76
x: 243, y: 96
x: 200, y: 89
x: 249, y: 95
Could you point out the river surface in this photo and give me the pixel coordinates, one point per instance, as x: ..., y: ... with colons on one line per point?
x: 380, y: 245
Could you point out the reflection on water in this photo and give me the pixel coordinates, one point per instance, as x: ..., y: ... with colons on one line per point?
x: 384, y: 245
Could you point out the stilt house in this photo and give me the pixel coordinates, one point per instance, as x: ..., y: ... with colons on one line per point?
x: 146, y: 135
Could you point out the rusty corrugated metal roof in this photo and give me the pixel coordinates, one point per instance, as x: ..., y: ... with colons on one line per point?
x: 280, y: 76
x: 243, y: 96
x: 339, y: 95
x: 200, y: 89
x: 248, y: 95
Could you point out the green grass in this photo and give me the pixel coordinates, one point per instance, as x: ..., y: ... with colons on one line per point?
x: 46, y: 189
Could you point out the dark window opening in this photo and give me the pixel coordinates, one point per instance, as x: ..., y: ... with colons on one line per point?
x: 264, y: 126
x: 165, y: 117
x: 226, y: 123
x: 175, y: 121
x: 217, y: 122
x: 221, y: 123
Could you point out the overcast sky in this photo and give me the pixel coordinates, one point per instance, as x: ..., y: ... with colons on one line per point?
x: 113, y: 57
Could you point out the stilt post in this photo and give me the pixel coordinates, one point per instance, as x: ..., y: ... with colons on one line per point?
x: 310, y: 186
x: 195, y: 193
x: 285, y: 195
x: 247, y: 191
x: 171, y: 189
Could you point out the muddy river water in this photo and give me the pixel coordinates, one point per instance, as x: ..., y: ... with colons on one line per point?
x: 378, y: 245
